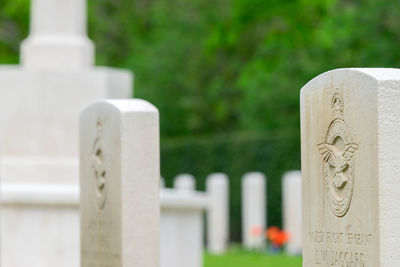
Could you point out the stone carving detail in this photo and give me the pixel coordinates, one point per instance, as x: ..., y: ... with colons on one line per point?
x: 99, y: 168
x: 337, y: 154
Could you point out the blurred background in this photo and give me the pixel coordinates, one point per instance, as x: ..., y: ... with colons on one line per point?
x: 226, y: 74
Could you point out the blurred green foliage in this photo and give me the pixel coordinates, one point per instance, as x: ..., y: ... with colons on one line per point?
x: 235, y: 155
x: 226, y: 74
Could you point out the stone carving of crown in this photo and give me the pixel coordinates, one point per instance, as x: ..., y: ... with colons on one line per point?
x: 337, y: 104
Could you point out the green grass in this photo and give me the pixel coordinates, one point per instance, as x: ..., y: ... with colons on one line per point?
x: 239, y: 258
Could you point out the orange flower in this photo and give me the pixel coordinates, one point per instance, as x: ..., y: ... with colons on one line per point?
x: 272, y: 232
x: 276, y: 236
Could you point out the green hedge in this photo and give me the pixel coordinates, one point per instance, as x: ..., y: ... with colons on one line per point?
x: 234, y: 155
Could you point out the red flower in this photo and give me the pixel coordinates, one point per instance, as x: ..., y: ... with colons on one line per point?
x: 276, y: 236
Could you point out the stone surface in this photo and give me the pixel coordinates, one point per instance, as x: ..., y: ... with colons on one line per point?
x: 350, y: 121
x: 253, y: 210
x: 120, y: 174
x: 181, y: 227
x: 46, y: 105
x: 57, y: 38
x: 291, y: 210
x: 41, y: 98
x: 28, y: 210
x: 218, y: 212
x: 185, y: 182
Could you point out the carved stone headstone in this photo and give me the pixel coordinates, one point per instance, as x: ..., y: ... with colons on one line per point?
x: 350, y: 122
x: 119, y: 169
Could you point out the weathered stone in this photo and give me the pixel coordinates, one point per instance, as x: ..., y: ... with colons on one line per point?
x: 350, y: 121
x: 119, y: 170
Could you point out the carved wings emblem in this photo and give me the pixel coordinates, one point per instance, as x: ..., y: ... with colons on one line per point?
x: 338, y: 159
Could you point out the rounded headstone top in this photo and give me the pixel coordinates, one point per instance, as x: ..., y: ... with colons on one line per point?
x: 353, y: 75
x: 217, y: 178
x: 292, y: 175
x: 123, y: 105
x: 254, y: 177
x: 184, y: 182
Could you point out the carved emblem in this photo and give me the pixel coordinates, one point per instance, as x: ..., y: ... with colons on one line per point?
x: 99, y: 168
x: 337, y: 154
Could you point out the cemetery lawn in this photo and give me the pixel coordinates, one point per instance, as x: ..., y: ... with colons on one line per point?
x: 237, y: 258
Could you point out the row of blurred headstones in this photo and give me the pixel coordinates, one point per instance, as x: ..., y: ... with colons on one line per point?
x: 254, y: 210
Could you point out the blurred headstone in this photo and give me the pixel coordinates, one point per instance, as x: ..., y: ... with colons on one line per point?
x: 120, y: 172
x: 350, y: 122
x: 218, y: 212
x: 182, y: 228
x: 254, y: 210
x: 291, y: 202
x: 185, y: 182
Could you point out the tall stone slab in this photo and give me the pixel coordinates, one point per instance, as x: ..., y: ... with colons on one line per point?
x: 253, y: 210
x: 217, y: 188
x: 120, y: 174
x: 292, y: 211
x: 350, y: 121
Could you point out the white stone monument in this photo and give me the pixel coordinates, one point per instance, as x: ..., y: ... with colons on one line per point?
x: 253, y: 210
x: 218, y: 212
x: 58, y: 38
x: 350, y: 122
x: 182, y: 228
x: 291, y: 210
x: 40, y: 102
x: 120, y: 173
x: 185, y: 182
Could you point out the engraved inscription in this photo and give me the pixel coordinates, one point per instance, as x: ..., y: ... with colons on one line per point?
x: 339, y: 258
x: 341, y: 249
x: 99, y: 168
x: 337, y: 155
x: 99, y: 236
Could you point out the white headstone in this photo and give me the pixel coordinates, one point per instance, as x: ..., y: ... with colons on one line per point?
x: 350, y: 122
x: 253, y: 210
x: 58, y: 38
x: 291, y: 202
x: 181, y: 228
x: 119, y: 169
x: 185, y: 182
x: 218, y: 212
